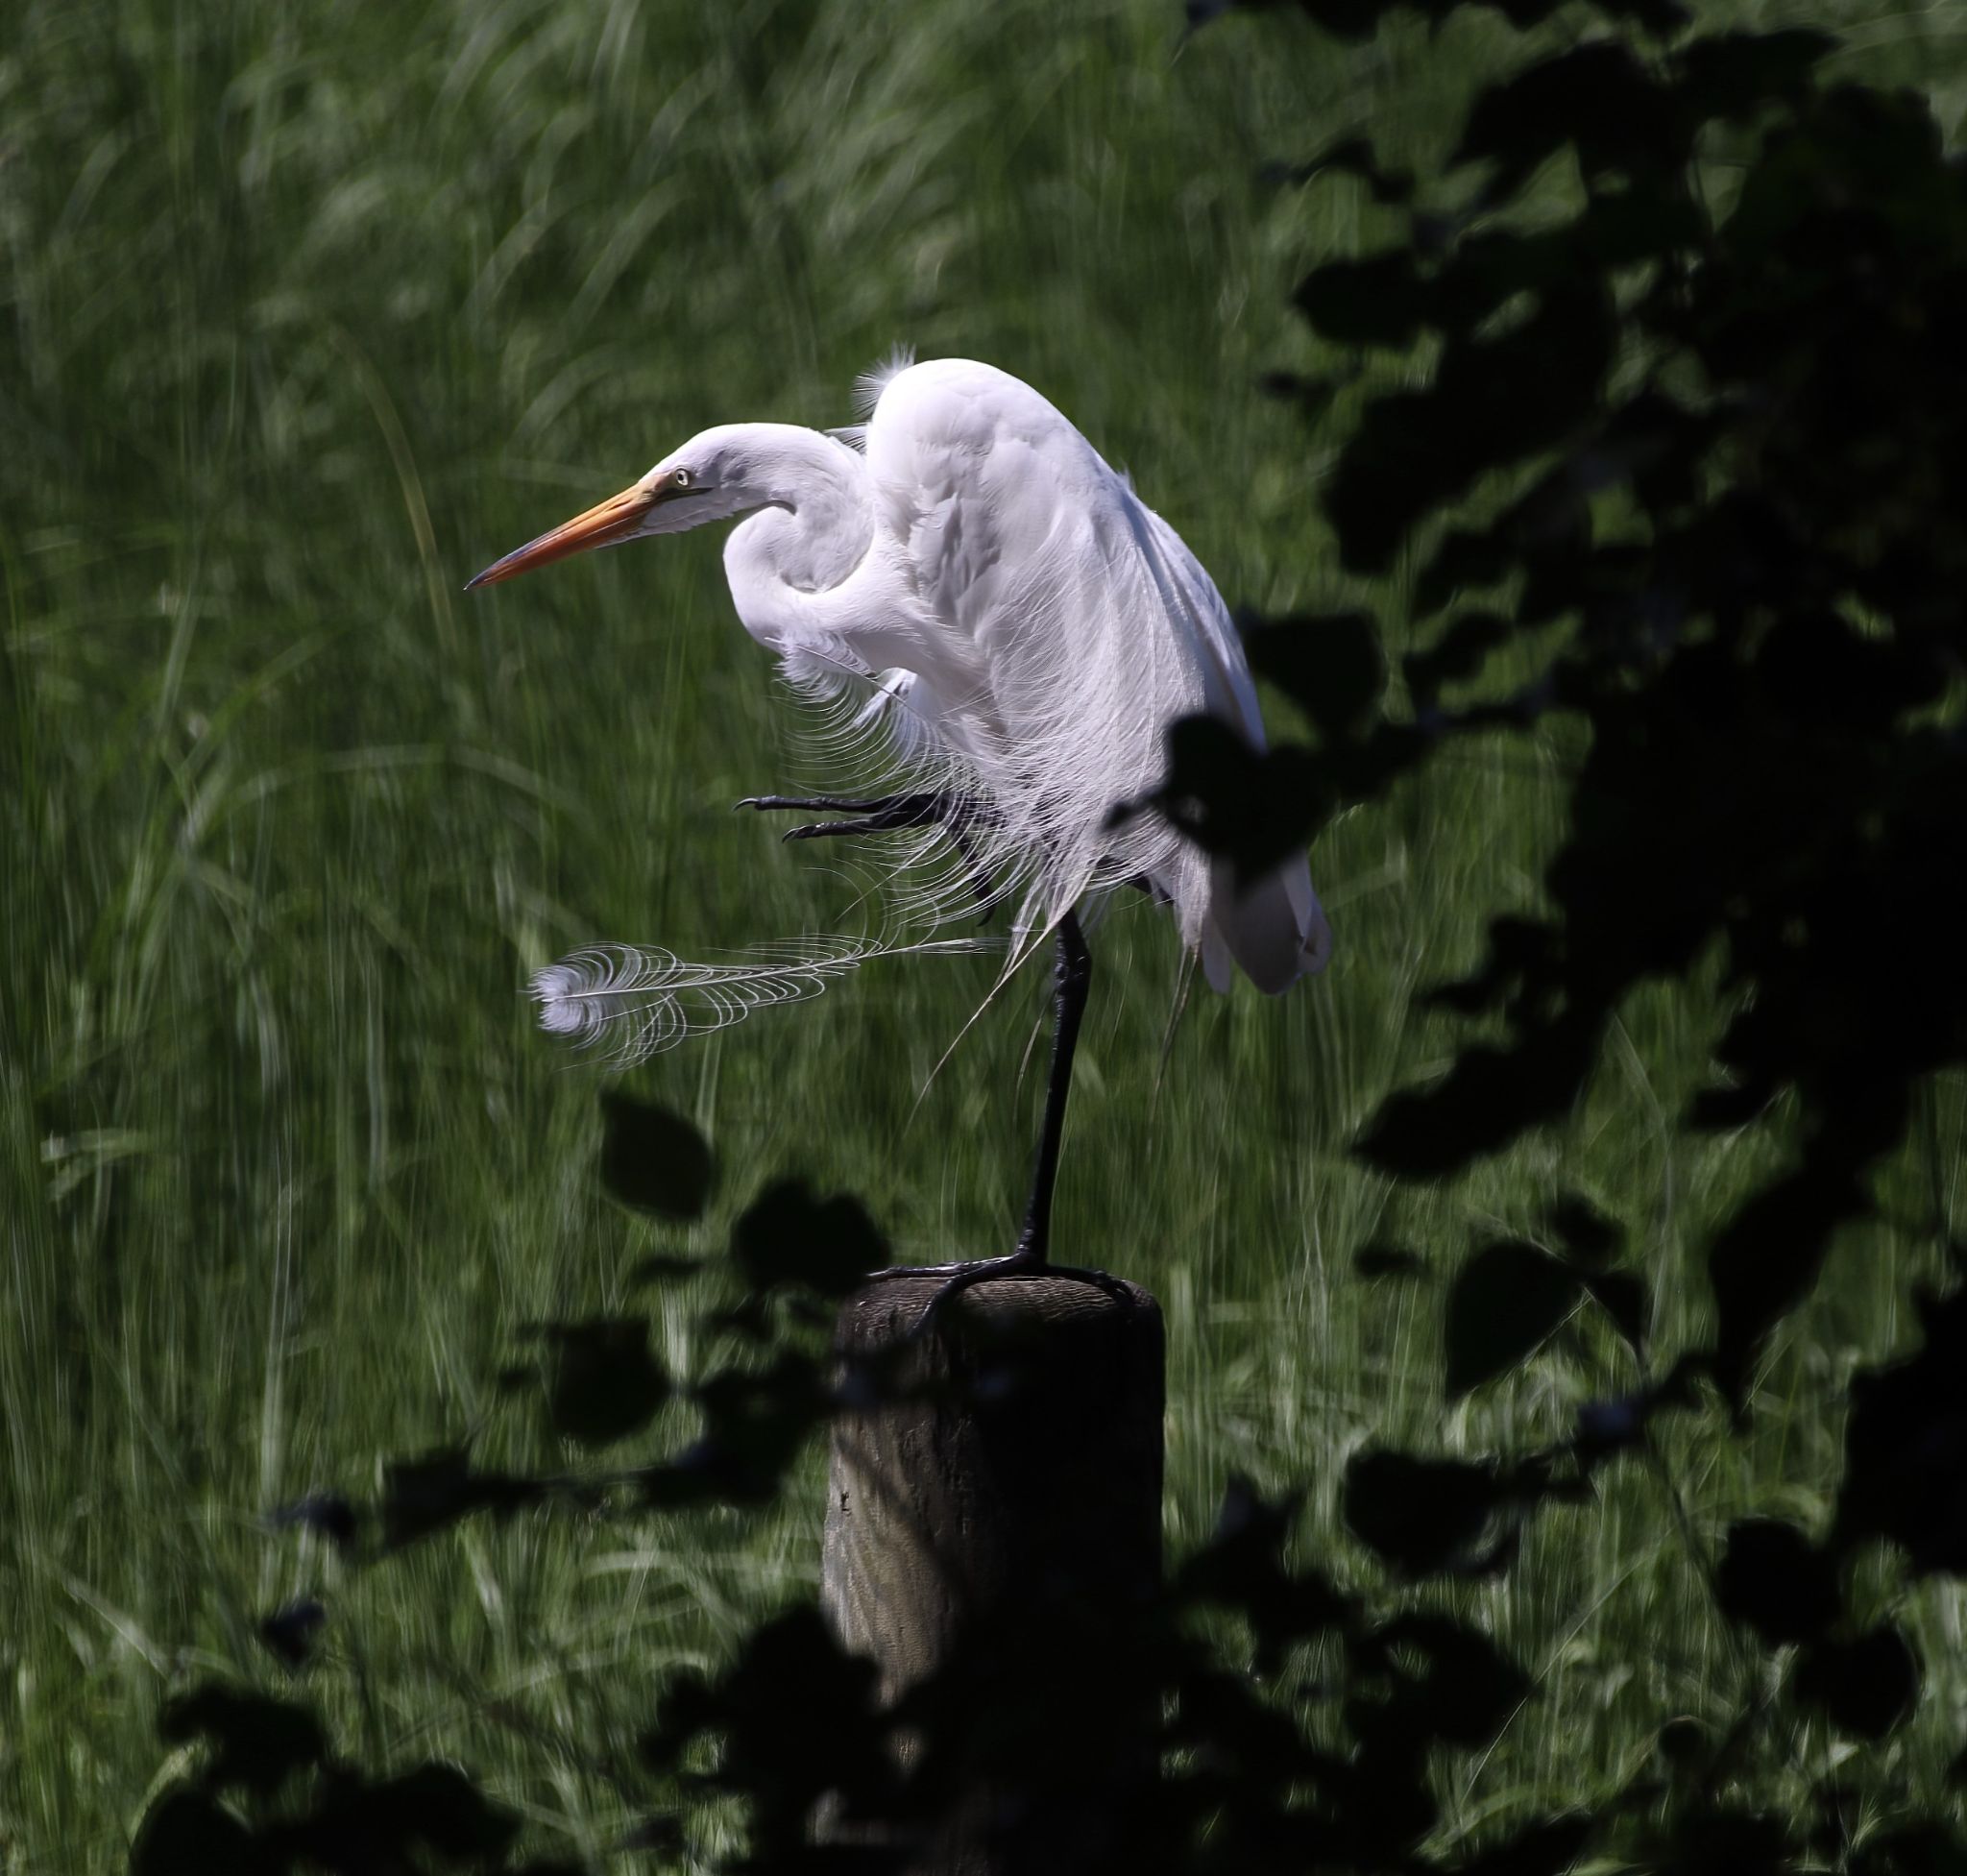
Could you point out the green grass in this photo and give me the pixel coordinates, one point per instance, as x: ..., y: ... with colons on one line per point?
x: 312, y: 312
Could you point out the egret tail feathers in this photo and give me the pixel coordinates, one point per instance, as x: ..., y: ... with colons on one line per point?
x: 1275, y: 928
x: 630, y: 1002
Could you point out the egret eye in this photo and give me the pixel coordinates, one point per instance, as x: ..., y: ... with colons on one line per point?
x: 679, y: 478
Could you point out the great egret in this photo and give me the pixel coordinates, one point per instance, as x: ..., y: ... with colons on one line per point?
x: 1024, y: 630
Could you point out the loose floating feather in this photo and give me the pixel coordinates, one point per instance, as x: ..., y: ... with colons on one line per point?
x: 636, y: 1002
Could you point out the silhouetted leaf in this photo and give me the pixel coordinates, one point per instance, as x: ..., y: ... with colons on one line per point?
x: 1905, y: 1446
x: 1927, y: 1848
x: 1246, y: 1521
x: 1255, y: 810
x: 1483, y: 1103
x: 1766, y: 1258
x: 789, y: 1238
x: 1380, y: 1258
x: 1465, y: 559
x: 1723, y: 1842
x: 652, y: 1159
x: 188, y: 1833
x: 1494, y: 400
x: 1817, y: 668
x: 442, y: 1808
x: 1585, y: 1231
x: 381, y: 1824
x: 756, y: 1423
x: 1723, y: 1109
x: 1772, y: 1578
x: 1597, y: 98
x: 1684, y: 1743
x: 1548, y: 1847
x: 661, y: 1831
x: 1625, y: 1299
x: 256, y: 1743
x: 289, y: 1632
x: 1469, y: 1687
x: 1242, y: 1568
x: 1733, y: 75
x: 1330, y: 663
x: 1459, y: 653
x: 602, y: 1383
x: 1359, y: 20
x: 1520, y: 949
x: 1867, y: 1686
x: 423, y: 1495
x: 798, y: 1720
x: 1504, y: 1300
x: 1380, y: 301
x: 327, y: 1513
x: 1422, y: 1515
x: 1353, y: 155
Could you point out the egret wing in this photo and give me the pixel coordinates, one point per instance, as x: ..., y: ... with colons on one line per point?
x: 1064, y: 627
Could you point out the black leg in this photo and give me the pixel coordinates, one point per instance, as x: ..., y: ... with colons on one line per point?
x: 1073, y: 982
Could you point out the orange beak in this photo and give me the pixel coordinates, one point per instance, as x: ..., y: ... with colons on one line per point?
x: 615, y: 519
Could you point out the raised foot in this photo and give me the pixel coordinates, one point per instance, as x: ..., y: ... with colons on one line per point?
x: 811, y: 803
x: 1024, y: 1262
x: 882, y: 815
x: 958, y: 816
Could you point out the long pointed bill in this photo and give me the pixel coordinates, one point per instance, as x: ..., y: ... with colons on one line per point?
x: 617, y: 519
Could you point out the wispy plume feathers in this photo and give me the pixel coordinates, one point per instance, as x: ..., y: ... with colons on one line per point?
x: 876, y: 378
x: 632, y: 1002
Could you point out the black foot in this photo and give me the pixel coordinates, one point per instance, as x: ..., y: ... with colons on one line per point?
x: 765, y: 803
x: 1024, y: 1262
x: 954, y: 814
x: 880, y: 817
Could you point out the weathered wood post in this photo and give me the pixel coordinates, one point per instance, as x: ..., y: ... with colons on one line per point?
x: 993, y: 1524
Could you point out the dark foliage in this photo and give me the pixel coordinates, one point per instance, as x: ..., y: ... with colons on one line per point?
x: 602, y: 1383
x: 787, y: 1236
x: 337, y: 1818
x: 1505, y: 1300
x: 1700, y: 468
x: 1726, y: 452
x: 1906, y: 1447
x: 1774, y: 1579
x: 290, y: 1632
x: 256, y: 1743
x: 653, y: 1160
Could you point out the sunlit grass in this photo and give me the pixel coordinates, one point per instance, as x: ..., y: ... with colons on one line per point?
x: 312, y: 316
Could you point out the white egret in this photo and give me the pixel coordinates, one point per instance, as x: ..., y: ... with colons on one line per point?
x: 1024, y: 630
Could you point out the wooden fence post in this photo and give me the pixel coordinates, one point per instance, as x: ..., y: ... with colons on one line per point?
x: 993, y: 1524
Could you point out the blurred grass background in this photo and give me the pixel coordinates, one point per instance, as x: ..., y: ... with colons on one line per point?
x: 311, y: 312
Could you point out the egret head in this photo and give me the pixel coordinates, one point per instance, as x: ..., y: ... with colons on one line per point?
x: 719, y: 473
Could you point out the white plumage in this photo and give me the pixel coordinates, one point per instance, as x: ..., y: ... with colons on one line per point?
x: 1017, y: 621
